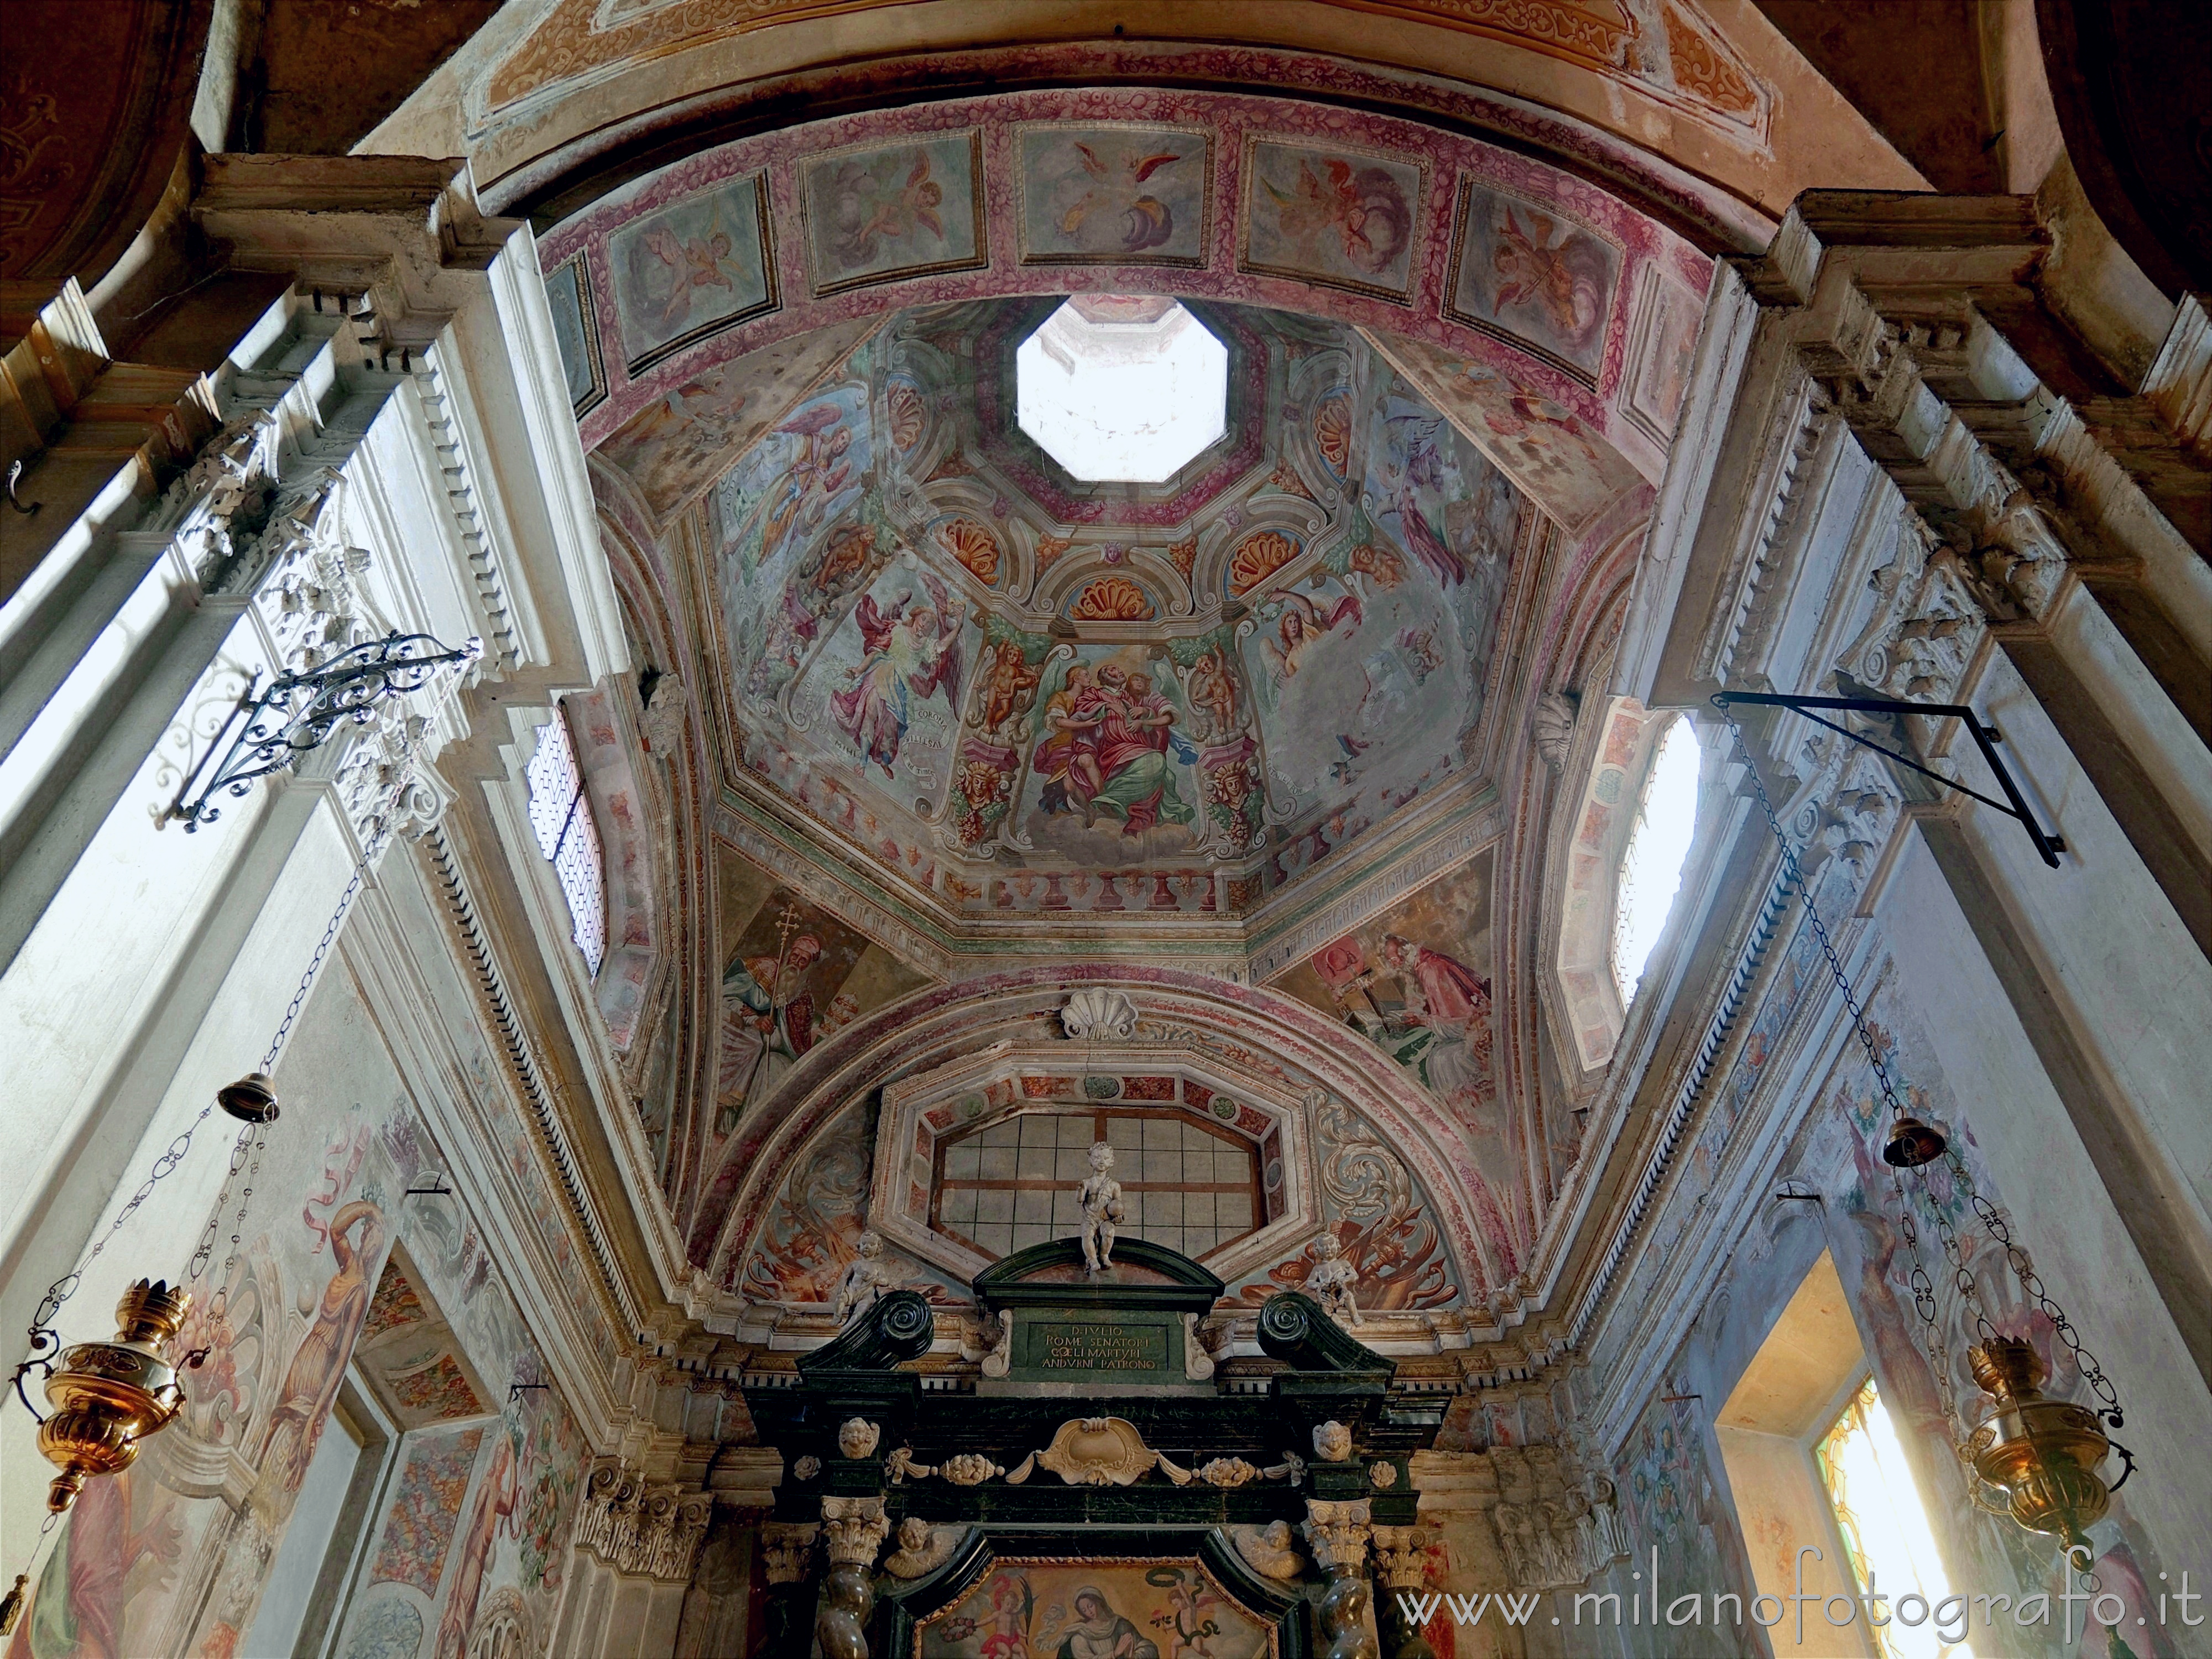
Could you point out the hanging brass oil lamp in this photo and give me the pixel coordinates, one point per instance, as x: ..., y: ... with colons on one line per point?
x: 108, y: 1396
x: 2044, y: 1455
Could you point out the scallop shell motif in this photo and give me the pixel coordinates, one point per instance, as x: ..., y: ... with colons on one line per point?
x: 975, y: 545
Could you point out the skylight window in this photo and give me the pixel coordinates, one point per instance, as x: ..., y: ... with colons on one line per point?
x: 1122, y: 390
x: 1651, y: 869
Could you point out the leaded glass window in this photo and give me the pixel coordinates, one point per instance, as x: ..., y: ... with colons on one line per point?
x: 561, y: 818
x: 1891, y: 1547
x: 1185, y: 1183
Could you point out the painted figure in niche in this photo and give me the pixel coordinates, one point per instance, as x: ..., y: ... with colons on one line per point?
x: 1118, y: 761
x: 1212, y: 692
x: 769, y: 1025
x: 1303, y: 625
x: 311, y: 1383
x: 1362, y: 208
x: 1099, y: 1632
x: 913, y: 651
x: 870, y: 203
x: 867, y: 1276
x: 1117, y: 194
x: 497, y: 1494
x: 1008, y: 688
x: 1100, y: 1196
x: 1554, y: 269
x: 77, y: 1613
x: 1448, y: 997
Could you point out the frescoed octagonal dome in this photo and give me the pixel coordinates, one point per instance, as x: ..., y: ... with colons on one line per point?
x: 1062, y: 694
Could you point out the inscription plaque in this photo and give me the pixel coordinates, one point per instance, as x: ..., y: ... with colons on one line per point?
x: 1057, y: 1348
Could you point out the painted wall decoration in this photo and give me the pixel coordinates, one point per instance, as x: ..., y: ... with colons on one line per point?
x: 691, y: 268
x: 426, y: 1507
x: 793, y: 976
x: 1662, y: 341
x: 1099, y: 1609
x: 576, y: 333
x: 1673, y: 1502
x: 1417, y: 982
x: 1264, y: 221
x: 1380, y: 1217
x: 1526, y: 270
x: 157, y: 1561
x: 878, y: 213
x: 1127, y: 193
x: 1340, y: 216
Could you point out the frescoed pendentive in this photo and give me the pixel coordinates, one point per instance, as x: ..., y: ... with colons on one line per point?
x: 1113, y: 194
x: 690, y: 269
x: 877, y: 213
x: 793, y: 976
x: 1416, y: 981
x: 1024, y: 693
x: 1103, y: 1609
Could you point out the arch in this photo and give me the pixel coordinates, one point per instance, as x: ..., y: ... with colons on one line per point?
x: 1510, y: 290
x: 1256, y: 1026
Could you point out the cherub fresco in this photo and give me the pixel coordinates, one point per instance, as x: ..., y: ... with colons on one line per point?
x: 1360, y: 209
x: 872, y: 200
x: 913, y: 651
x: 1006, y: 688
x: 1213, y: 694
x: 1534, y: 269
x: 668, y: 269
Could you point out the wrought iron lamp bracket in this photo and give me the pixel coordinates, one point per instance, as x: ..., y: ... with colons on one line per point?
x: 274, y: 726
x: 1986, y: 738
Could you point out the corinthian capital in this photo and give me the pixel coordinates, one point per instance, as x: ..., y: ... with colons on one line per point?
x: 1337, y: 1533
x: 853, y: 1528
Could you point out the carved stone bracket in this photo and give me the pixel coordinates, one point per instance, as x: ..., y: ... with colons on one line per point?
x: 638, y: 1528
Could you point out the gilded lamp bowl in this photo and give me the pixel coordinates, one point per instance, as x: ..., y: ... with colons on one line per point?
x: 108, y: 1396
x: 2044, y: 1453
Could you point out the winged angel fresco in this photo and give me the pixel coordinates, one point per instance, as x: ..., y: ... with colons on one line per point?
x: 912, y: 651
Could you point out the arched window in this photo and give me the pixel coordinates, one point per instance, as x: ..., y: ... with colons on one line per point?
x: 1658, y: 845
x: 562, y: 817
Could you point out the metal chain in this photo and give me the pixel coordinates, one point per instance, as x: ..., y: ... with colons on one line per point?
x: 1923, y: 1287
x: 2093, y: 1371
x: 245, y: 1151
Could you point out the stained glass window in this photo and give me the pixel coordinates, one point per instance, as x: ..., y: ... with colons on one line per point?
x: 562, y: 820
x: 1651, y: 868
x: 1185, y: 1183
x: 1885, y: 1528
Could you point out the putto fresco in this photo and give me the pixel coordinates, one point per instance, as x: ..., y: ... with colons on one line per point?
x: 1021, y: 691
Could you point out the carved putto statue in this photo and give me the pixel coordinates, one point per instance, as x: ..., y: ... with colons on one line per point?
x: 1334, y: 1278
x: 1102, y: 1209
x: 867, y: 1276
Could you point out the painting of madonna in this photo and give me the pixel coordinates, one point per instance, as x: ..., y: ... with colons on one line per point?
x: 1096, y: 1609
